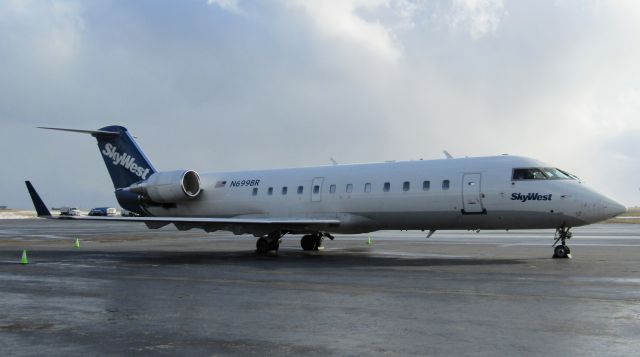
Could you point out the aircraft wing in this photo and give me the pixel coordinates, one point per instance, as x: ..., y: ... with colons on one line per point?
x: 271, y: 221
x: 185, y: 222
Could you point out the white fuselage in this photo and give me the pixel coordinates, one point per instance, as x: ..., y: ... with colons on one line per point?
x: 465, y: 193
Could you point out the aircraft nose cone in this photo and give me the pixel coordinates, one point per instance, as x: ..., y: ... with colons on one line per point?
x: 613, y: 208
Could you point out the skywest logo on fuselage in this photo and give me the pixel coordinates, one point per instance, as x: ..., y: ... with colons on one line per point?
x: 530, y: 197
x: 125, y: 160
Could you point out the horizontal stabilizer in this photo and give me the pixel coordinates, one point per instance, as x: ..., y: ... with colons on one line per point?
x: 41, y: 208
x: 92, y: 132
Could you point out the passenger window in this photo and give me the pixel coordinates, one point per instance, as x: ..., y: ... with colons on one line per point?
x: 270, y: 191
x: 349, y: 188
x: 332, y: 189
x: 316, y: 189
x: 406, y: 186
x: 367, y: 187
x: 300, y: 190
x: 284, y: 190
x: 445, y: 184
x: 386, y: 187
x: 255, y: 191
x: 426, y: 185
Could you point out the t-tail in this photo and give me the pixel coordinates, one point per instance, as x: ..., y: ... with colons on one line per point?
x: 125, y: 161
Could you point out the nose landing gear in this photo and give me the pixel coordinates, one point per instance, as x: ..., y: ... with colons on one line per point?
x: 562, y: 235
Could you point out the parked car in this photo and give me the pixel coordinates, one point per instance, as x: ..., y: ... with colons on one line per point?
x: 103, y: 211
x: 69, y: 211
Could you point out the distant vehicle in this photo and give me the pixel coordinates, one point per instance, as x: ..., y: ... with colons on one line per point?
x: 103, y: 211
x: 69, y: 211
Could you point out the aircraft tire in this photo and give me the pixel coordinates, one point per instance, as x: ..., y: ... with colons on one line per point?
x: 308, y: 242
x: 262, y: 245
x: 561, y: 252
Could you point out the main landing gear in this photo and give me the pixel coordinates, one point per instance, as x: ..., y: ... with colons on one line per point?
x: 269, y: 243
x: 313, y: 241
x: 562, y: 250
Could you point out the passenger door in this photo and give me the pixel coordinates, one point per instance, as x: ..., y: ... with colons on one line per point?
x: 316, y: 189
x: 471, y: 195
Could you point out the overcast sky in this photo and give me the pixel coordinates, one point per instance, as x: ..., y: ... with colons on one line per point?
x: 231, y: 84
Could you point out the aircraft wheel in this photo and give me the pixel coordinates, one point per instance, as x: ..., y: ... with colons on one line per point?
x: 307, y: 242
x: 262, y: 245
x: 561, y: 251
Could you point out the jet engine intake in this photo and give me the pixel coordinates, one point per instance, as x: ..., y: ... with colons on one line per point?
x: 169, y: 186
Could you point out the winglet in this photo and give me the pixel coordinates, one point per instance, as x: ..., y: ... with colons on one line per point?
x: 41, y: 208
x: 446, y: 153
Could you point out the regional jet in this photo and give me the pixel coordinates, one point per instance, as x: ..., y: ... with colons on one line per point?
x: 479, y: 193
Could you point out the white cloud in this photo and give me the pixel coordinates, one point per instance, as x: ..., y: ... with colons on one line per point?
x: 408, y: 8
x: 53, y: 29
x: 566, y: 92
x: 229, y: 5
x: 478, y: 18
x: 340, y: 20
x: 63, y: 38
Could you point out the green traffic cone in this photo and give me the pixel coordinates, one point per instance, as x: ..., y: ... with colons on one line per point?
x: 77, y: 243
x: 24, y: 259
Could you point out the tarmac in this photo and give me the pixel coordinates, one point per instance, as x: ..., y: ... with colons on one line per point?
x: 129, y: 290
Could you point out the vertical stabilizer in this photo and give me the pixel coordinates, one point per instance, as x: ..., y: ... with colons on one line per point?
x: 125, y: 161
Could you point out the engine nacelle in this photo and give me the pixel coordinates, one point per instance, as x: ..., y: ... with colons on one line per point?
x: 169, y: 187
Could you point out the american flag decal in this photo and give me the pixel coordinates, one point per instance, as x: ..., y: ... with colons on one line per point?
x: 221, y: 184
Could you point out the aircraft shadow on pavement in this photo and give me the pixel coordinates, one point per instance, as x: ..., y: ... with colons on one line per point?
x: 250, y: 258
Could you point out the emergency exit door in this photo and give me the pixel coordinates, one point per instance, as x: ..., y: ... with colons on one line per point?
x: 471, y: 194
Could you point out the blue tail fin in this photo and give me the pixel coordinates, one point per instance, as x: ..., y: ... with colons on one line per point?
x: 41, y: 208
x: 125, y: 161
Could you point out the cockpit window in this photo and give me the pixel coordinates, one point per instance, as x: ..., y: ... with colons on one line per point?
x: 540, y: 173
x: 528, y: 174
x: 571, y: 176
x: 555, y: 174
